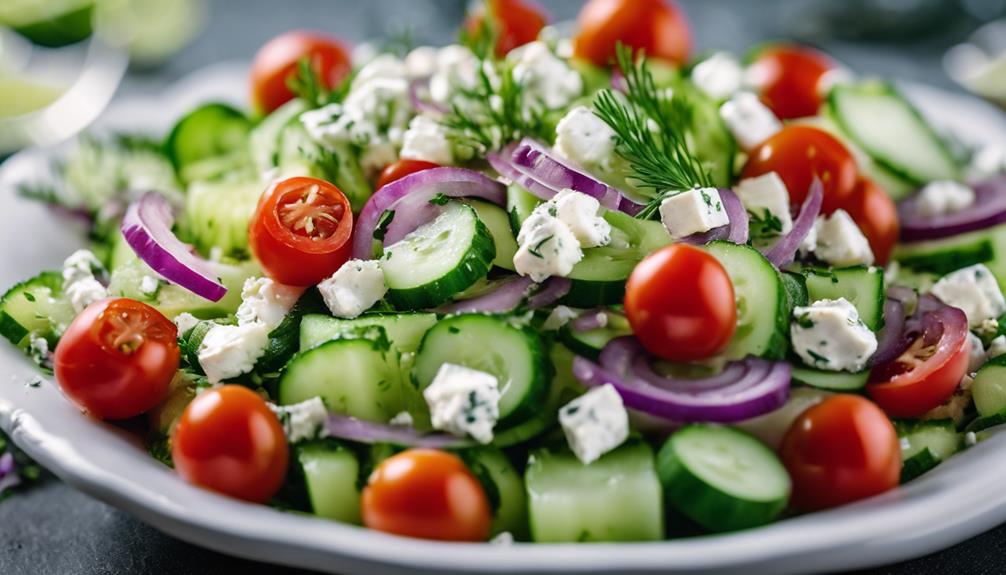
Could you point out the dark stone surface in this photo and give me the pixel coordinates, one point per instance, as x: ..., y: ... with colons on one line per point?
x: 52, y: 529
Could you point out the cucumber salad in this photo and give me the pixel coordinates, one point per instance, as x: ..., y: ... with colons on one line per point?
x: 529, y: 287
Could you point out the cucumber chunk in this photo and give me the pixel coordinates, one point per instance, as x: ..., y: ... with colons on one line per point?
x: 405, y: 331
x: 989, y: 387
x: 498, y: 224
x: 217, y: 215
x: 762, y: 305
x: 439, y: 259
x: 209, y: 133
x: 300, y: 155
x: 264, y: 138
x: 35, y: 308
x: 505, y: 488
x: 519, y: 205
x: 514, y: 355
x: 924, y: 444
x: 830, y: 380
x: 331, y: 476
x: 862, y: 286
x: 616, y: 498
x: 590, y: 343
x: 945, y: 255
x: 722, y: 478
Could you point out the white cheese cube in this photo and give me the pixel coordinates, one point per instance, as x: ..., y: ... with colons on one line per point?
x: 267, y: 301
x: 750, y: 121
x: 840, y: 241
x: 694, y: 211
x: 996, y: 348
x: 228, y: 351
x: 81, y: 264
x: 829, y: 335
x: 975, y: 291
x: 149, y: 285
x: 944, y: 197
x: 719, y: 75
x: 354, y: 288
x: 580, y: 214
x: 546, y: 247
x: 976, y: 357
x: 302, y: 421
x: 185, y: 321
x: 83, y: 292
x: 766, y: 197
x: 464, y: 401
x: 402, y: 418
x: 426, y: 139
x: 382, y: 66
x: 546, y: 79
x: 586, y: 140
x: 595, y: 423
x: 421, y: 62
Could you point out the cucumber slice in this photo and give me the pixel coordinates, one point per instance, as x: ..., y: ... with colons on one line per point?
x: 616, y: 498
x: 405, y: 331
x: 505, y: 488
x: 862, y: 286
x: 945, y: 255
x: 50, y: 23
x: 590, y: 343
x: 284, y: 339
x: 206, y: 134
x: 217, y: 215
x: 887, y: 127
x: 722, y: 478
x: 709, y: 139
x: 498, y: 224
x: 519, y: 205
x: 358, y: 377
x: 924, y: 444
x: 331, y: 476
x: 35, y: 308
x: 300, y: 155
x: 830, y: 380
x: 762, y: 305
x: 439, y: 259
x: 989, y: 387
x: 516, y: 356
x: 264, y: 139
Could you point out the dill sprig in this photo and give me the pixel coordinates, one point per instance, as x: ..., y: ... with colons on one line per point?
x: 651, y: 127
x: 306, y: 84
x: 481, y: 39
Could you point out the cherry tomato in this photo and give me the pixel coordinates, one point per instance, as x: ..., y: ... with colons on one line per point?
x: 841, y: 450
x: 680, y: 302
x: 520, y: 22
x: 877, y: 217
x: 400, y: 169
x: 657, y: 26
x: 277, y: 60
x: 428, y: 494
x: 229, y: 441
x: 117, y: 358
x: 923, y: 377
x: 300, y: 231
x: 798, y: 153
x: 789, y: 79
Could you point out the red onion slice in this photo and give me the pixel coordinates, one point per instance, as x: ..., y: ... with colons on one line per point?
x: 736, y: 231
x: 944, y: 327
x: 9, y: 477
x: 626, y: 354
x: 590, y: 320
x: 421, y: 104
x: 369, y: 432
x: 505, y: 298
x: 783, y: 251
x: 539, y: 162
x: 891, y: 340
x: 988, y: 209
x: 420, y: 187
x: 553, y: 290
x: 147, y: 229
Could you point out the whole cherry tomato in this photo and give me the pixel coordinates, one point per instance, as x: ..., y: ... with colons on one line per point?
x: 520, y: 22
x: 877, y: 217
x: 789, y: 79
x: 658, y: 27
x: 277, y: 60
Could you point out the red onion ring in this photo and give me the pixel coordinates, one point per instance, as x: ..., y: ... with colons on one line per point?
x: 147, y: 229
x: 369, y: 432
x: 783, y: 251
x: 944, y: 327
x: 988, y: 209
x: 590, y: 320
x: 891, y: 340
x: 736, y: 231
x: 505, y: 298
x: 554, y: 289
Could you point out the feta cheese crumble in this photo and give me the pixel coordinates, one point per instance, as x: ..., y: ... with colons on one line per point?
x: 766, y: 197
x: 185, y: 321
x: 402, y: 418
x: 267, y: 301
x: 228, y: 351
x: 79, y: 284
x: 694, y: 211
x: 426, y: 139
x: 829, y: 335
x: 719, y: 75
x: 546, y: 247
x: 302, y: 421
x: 975, y: 291
x: 149, y: 286
x: 547, y: 80
x: 586, y: 140
x: 457, y: 70
x: 421, y: 62
x: 595, y: 423
x: 354, y: 288
x: 944, y: 197
x: 750, y: 121
x: 464, y: 401
x: 840, y: 241
x: 976, y: 355
x: 580, y: 213
x: 558, y: 317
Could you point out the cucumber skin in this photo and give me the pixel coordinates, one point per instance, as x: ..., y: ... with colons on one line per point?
x: 221, y: 110
x: 12, y: 329
x: 925, y: 459
x: 991, y: 403
x: 345, y: 511
x: 848, y: 382
x: 510, y: 512
x: 705, y: 504
x: 827, y: 284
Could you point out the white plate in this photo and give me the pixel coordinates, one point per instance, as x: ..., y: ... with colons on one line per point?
x: 961, y: 498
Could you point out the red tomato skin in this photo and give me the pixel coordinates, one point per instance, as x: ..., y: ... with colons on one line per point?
x: 790, y: 77
x: 659, y: 27
x: 798, y: 153
x: 913, y: 394
x: 680, y: 303
x: 228, y: 441
x: 877, y: 217
x: 520, y: 22
x: 400, y: 169
x: 277, y: 60
x: 841, y: 450
x: 105, y: 382
x: 427, y: 494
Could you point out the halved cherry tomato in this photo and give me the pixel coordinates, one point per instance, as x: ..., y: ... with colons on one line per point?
x: 925, y: 375
x: 798, y: 153
x: 277, y: 60
x: 789, y: 79
x: 300, y: 231
x: 680, y: 302
x: 877, y: 217
x: 840, y: 450
x: 400, y: 169
x: 520, y: 22
x: 428, y: 494
x: 229, y: 441
x: 117, y: 358
x: 657, y: 26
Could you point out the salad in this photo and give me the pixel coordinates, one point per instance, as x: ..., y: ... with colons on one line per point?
x: 536, y: 288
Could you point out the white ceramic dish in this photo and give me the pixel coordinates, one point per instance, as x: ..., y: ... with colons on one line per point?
x: 961, y: 498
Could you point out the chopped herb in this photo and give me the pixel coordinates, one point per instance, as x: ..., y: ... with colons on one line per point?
x: 306, y: 84
x: 29, y: 296
x: 803, y: 320
x: 382, y: 224
x: 440, y: 200
x: 536, y: 249
x: 818, y: 358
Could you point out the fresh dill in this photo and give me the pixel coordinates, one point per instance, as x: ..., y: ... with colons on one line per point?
x: 483, y: 33
x: 306, y: 84
x: 651, y: 127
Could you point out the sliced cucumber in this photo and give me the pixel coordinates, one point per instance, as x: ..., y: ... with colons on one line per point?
x: 35, y: 308
x: 439, y: 259
x: 300, y: 155
x: 560, y: 392
x: 264, y: 138
x: 830, y: 380
x: 863, y: 287
x: 405, y: 331
x: 505, y: 489
x: 709, y: 139
x: 516, y: 356
x: 945, y: 255
x: 217, y: 215
x: 331, y: 475
x: 590, y: 343
x: 206, y: 134
x: 796, y: 289
x: 519, y: 205
x: 616, y: 498
x: 924, y: 444
x: 358, y: 377
x: 722, y: 478
x: 887, y: 127
x: 762, y: 305
x: 498, y: 224
x: 989, y: 387
x: 284, y: 339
